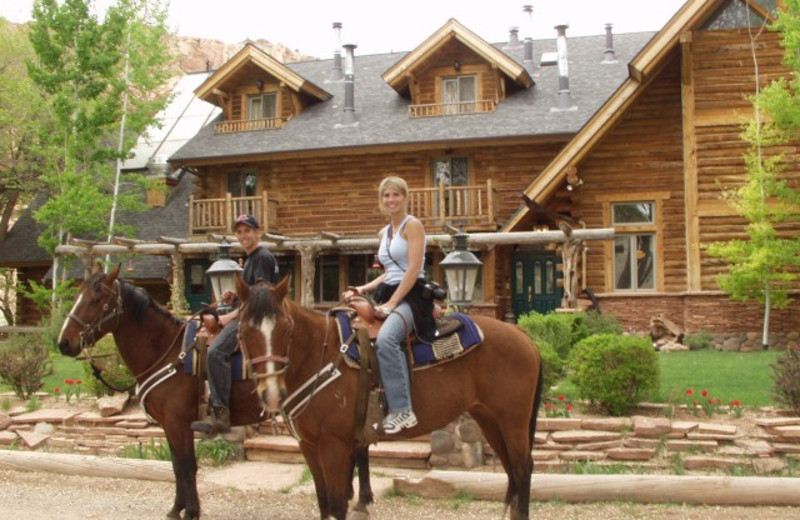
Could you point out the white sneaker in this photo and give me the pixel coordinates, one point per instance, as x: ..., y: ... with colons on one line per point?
x: 394, y: 422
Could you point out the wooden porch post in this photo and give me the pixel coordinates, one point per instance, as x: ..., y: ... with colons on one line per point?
x: 177, y: 295
x: 308, y: 258
x: 264, y: 217
x: 228, y: 213
x: 442, y: 212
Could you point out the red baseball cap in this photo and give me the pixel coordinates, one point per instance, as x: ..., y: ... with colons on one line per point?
x: 247, y: 220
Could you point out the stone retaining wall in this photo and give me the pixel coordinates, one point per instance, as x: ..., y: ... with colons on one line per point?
x: 762, y: 445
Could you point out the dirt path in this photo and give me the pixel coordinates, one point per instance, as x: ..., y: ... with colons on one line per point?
x: 258, y: 491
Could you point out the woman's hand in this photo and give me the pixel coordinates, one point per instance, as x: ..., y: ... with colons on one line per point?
x: 350, y: 293
x: 383, y: 311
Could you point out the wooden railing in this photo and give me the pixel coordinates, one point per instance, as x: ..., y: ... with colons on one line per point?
x: 248, y: 125
x: 452, y: 109
x: 461, y: 206
x: 218, y: 215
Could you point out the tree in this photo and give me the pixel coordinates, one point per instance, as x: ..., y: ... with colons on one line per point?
x: 765, y: 266
x: 103, y: 81
x: 21, y: 114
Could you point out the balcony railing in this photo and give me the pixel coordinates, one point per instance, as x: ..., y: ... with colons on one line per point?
x: 452, y: 109
x: 218, y: 215
x: 247, y: 125
x: 470, y: 207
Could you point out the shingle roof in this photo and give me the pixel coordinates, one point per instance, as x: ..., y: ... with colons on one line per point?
x: 382, y: 115
x: 19, y: 247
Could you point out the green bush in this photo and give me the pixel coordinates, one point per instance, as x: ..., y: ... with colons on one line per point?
x: 591, y: 323
x: 24, y: 363
x: 553, y: 328
x: 700, y: 341
x: 113, y: 369
x: 786, y: 378
x: 614, y: 372
x: 552, y: 365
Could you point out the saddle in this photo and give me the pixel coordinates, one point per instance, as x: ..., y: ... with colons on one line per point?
x: 365, y: 318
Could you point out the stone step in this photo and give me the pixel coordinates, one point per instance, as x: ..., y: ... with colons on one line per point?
x: 413, y: 454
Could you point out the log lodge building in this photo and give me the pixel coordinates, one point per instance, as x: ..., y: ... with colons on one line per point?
x: 635, y: 133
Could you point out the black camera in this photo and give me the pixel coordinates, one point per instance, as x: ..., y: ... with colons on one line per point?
x: 432, y: 291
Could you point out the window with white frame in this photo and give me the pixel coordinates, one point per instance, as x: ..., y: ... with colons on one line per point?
x: 262, y: 106
x: 326, y: 279
x: 459, y: 94
x: 634, y: 256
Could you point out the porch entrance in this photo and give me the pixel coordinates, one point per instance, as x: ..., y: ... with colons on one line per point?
x: 534, y: 282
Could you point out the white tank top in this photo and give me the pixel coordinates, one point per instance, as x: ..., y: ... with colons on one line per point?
x: 396, y: 265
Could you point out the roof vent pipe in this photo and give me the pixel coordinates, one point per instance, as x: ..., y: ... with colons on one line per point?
x: 527, y: 61
x: 336, y: 73
x: 610, y: 55
x: 513, y: 37
x: 349, y: 116
x: 564, y: 96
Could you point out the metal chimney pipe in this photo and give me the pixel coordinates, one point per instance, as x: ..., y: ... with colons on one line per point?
x: 349, y: 115
x: 527, y: 60
x: 336, y: 73
x: 564, y: 97
x: 513, y: 37
x: 610, y: 54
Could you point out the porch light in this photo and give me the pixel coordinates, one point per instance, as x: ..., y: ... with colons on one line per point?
x: 222, y: 274
x: 461, y: 271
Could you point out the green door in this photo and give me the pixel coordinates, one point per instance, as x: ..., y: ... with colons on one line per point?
x: 534, y: 283
x: 198, y: 288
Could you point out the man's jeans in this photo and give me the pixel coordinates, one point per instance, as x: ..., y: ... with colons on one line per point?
x: 392, y: 363
x: 219, y: 364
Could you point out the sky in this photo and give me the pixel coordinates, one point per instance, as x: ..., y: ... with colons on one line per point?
x: 377, y: 26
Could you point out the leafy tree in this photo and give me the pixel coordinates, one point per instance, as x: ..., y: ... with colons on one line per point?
x: 21, y: 115
x: 765, y: 266
x: 102, y: 81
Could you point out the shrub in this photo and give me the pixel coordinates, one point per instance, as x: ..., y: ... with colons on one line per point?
x: 614, y: 372
x: 786, y: 378
x: 24, y: 363
x: 553, y: 328
x: 552, y: 365
x: 591, y: 323
x: 114, y: 370
x: 700, y: 341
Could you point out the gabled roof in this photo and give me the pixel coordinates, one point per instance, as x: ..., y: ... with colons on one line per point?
x: 398, y: 75
x: 642, y: 69
x: 250, y: 54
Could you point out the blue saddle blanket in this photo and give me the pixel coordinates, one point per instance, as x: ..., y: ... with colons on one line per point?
x: 191, y: 363
x: 424, y: 354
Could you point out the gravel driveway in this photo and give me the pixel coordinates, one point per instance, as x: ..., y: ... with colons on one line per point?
x: 249, y: 491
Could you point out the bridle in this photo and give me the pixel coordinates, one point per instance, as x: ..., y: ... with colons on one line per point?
x: 90, y: 332
x: 269, y: 358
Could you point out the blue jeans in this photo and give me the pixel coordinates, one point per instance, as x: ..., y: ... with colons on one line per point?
x: 392, y: 364
x: 219, y: 364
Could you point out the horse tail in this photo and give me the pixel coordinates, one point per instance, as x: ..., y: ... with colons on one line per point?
x: 537, y: 401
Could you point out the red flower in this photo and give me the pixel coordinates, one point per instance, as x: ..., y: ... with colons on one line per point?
x: 562, y: 397
x: 69, y: 381
x: 737, y: 403
x: 690, y: 392
x: 710, y: 401
x: 719, y: 401
x: 694, y: 403
x: 704, y: 393
x: 56, y: 390
x: 78, y: 381
x: 548, y: 406
x: 568, y: 407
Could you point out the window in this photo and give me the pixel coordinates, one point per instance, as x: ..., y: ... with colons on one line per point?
x: 634, y: 246
x: 326, y: 279
x: 262, y: 106
x: 452, y: 172
x: 361, y: 269
x: 459, y: 95
x: 242, y: 184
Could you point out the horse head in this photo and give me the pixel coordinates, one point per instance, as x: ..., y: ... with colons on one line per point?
x: 96, y: 312
x: 265, y: 331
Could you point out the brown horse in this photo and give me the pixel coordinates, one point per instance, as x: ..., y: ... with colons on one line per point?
x: 498, y: 383
x: 149, y: 340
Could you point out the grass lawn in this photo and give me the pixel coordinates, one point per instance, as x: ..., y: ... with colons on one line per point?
x: 63, y: 368
x: 743, y: 376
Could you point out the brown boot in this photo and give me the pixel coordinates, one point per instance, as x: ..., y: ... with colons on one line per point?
x: 218, y: 421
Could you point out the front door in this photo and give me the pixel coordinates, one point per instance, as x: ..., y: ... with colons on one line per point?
x: 198, y: 288
x: 534, y: 283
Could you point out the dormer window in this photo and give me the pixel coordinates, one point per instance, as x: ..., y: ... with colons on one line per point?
x: 459, y: 94
x: 262, y: 106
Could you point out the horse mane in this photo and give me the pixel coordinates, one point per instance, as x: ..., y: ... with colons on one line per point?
x: 136, y: 300
x: 261, y: 303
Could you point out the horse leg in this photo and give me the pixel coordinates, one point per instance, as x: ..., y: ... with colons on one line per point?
x: 184, y: 465
x: 311, y: 454
x: 365, y: 496
x: 510, y: 444
x: 335, y: 459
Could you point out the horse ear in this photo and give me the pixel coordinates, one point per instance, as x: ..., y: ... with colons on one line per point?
x: 110, y: 277
x: 280, y: 290
x: 242, y: 289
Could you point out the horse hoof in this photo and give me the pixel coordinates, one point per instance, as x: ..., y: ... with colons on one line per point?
x: 358, y: 515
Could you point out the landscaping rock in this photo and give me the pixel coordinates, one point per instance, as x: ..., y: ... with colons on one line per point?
x: 44, y: 428
x: 112, y: 405
x: 770, y: 465
x: 31, y: 439
x: 7, y: 438
x: 5, y: 421
x: 650, y: 426
x: 441, y: 442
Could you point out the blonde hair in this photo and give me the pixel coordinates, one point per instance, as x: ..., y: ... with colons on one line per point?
x: 391, y: 183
